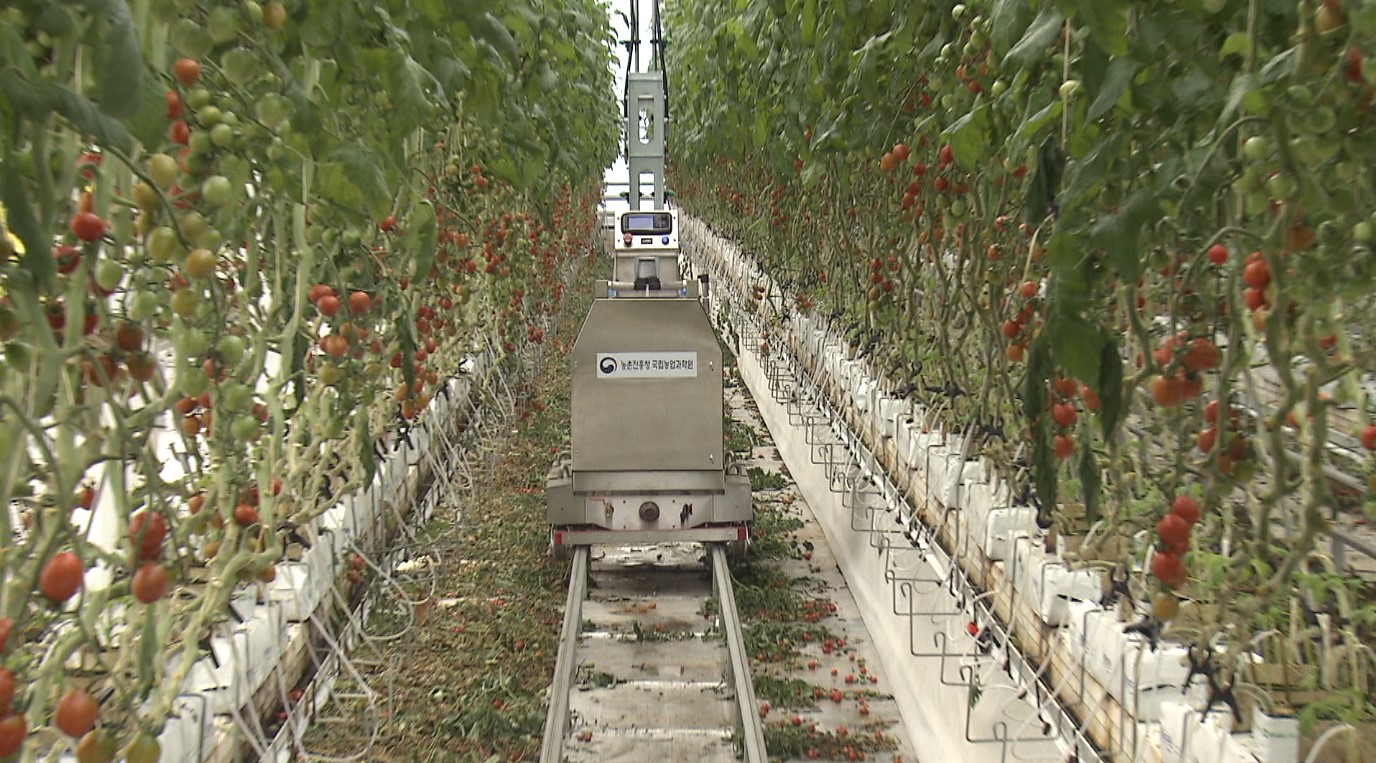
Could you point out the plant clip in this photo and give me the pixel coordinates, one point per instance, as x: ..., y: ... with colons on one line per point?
x: 1149, y: 627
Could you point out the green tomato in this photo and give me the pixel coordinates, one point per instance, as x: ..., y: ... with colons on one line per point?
x: 254, y: 10
x: 142, y: 305
x: 185, y: 302
x: 198, y: 98
x: 236, y: 396
x: 216, y: 191
x: 108, y: 274
x: 1281, y: 186
x: 192, y: 381
x: 1320, y: 120
x: 1363, y: 232
x: 209, y: 116
x: 191, y: 341
x: 240, y: 65
x: 1256, y: 148
x: 163, y: 245
x: 244, y: 428
x: 194, y: 226
x: 164, y: 11
x: 1313, y: 150
x: 224, y: 24
x: 197, y: 163
x: 273, y: 111
x: 200, y: 145
x: 189, y: 39
x: 162, y: 170
x: 230, y: 348
x: 222, y: 135
x: 1255, y: 102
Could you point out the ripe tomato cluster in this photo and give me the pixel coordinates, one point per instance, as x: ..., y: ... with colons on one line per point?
x: 1173, y: 542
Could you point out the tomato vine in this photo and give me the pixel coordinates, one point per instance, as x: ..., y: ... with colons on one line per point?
x: 239, y: 242
x: 1080, y: 228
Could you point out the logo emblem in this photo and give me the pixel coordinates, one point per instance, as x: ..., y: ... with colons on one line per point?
x: 607, y: 365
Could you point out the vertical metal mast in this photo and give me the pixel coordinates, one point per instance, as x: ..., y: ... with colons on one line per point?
x: 646, y: 115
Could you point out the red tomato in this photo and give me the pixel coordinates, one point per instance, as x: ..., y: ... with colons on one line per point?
x: 1202, y: 355
x: 1206, y: 439
x: 7, y: 687
x: 60, y: 578
x: 149, y: 583
x: 186, y: 70
x: 1168, y: 568
x: 1186, y: 508
x: 1174, y: 531
x: 1257, y: 275
x: 1369, y: 437
x: 87, y: 226
x: 1218, y: 254
x: 75, y: 713
x: 178, y: 132
x: 13, y: 729
x: 328, y: 305
x: 146, y: 533
x: 245, y: 515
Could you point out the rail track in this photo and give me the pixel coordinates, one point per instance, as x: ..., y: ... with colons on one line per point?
x: 651, y: 664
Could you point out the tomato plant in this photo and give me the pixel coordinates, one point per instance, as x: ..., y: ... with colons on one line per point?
x: 1162, y: 206
x: 173, y: 186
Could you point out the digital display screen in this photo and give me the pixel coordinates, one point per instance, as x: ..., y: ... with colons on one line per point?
x: 647, y: 223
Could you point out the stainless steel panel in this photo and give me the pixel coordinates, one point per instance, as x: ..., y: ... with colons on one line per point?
x: 649, y: 482
x: 646, y: 424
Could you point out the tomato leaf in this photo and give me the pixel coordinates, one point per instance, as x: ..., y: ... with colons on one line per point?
x: 150, y: 650
x: 1039, y: 370
x: 1091, y: 482
x: 1121, y: 70
x: 1109, y: 387
x: 490, y: 30
x: 969, y: 138
x: 1119, y: 234
x: 366, y: 461
x: 20, y: 219
x: 410, y: 104
x: 422, y: 236
x: 1077, y: 344
x: 1045, y: 183
x: 1107, y: 22
x: 1042, y: 32
x: 1008, y: 20
x: 36, y: 99
x: 1242, y: 85
x: 1034, y: 123
x: 352, y: 177
x: 809, y: 21
x: 1084, y: 174
x: 119, y: 70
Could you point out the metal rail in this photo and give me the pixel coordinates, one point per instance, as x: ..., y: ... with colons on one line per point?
x: 750, y: 729
x: 557, y: 720
x: 738, y: 663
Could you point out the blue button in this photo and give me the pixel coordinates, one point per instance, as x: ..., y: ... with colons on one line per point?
x: 665, y: 239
